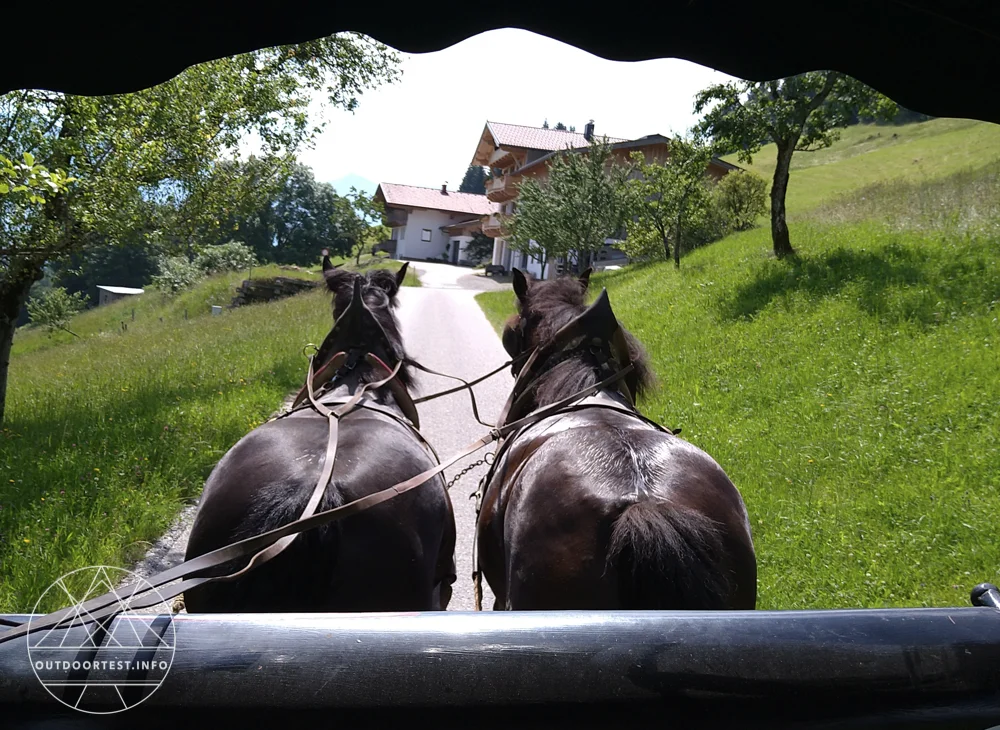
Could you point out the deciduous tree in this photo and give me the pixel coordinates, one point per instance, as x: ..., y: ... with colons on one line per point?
x: 583, y: 202
x: 666, y: 196
x: 799, y: 113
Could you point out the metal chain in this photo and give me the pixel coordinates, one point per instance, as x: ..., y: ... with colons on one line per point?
x: 488, y: 460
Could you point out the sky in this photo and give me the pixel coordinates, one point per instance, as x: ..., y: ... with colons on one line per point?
x: 423, y: 129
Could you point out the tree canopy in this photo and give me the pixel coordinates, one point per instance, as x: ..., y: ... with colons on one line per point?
x: 474, y: 180
x: 666, y: 196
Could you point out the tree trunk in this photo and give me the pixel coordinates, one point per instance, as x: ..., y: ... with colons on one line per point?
x: 666, y: 247
x: 13, y: 291
x: 677, y: 245
x: 779, y: 227
x: 357, y: 259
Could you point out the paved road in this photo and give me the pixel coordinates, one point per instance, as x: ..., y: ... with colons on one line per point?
x: 445, y: 330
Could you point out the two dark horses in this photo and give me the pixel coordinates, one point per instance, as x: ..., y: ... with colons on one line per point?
x: 589, y: 508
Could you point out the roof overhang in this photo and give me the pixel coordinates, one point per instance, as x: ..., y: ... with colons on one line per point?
x: 464, y: 225
x: 486, y: 146
x: 120, y: 289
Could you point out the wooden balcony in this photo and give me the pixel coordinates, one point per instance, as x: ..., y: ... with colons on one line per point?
x: 500, y: 189
x: 501, y: 158
x: 492, y: 226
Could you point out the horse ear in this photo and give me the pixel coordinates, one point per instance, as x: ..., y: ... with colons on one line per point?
x: 585, y: 277
x: 327, y: 264
x: 401, y: 274
x: 520, y: 283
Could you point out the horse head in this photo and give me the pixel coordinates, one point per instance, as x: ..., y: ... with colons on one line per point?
x: 524, y: 331
x: 553, y: 314
x: 364, y: 316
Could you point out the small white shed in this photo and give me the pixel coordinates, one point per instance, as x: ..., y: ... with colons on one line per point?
x: 108, y: 294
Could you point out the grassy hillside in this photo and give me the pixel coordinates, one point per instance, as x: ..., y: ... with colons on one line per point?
x: 106, y: 436
x: 867, y: 154
x: 152, y: 306
x: 850, y: 393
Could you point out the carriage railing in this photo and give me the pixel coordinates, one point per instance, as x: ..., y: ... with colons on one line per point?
x: 932, y: 667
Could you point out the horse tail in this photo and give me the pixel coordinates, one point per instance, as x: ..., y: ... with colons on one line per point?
x: 669, y: 557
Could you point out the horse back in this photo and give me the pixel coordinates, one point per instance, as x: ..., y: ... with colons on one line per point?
x: 265, y: 481
x: 559, y: 498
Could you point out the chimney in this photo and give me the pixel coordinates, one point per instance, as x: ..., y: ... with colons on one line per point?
x: 588, y: 131
x: 444, y: 189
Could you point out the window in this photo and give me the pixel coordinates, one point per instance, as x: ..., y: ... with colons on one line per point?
x: 425, y: 235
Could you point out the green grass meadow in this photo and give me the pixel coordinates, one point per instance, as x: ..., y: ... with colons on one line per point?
x: 868, y: 153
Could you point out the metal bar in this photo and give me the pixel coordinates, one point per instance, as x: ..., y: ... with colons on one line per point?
x: 773, y: 668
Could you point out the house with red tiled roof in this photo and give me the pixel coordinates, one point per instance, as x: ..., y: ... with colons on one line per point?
x: 431, y: 224
x: 514, y: 152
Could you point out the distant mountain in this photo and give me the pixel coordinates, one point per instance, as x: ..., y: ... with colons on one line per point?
x: 343, y: 185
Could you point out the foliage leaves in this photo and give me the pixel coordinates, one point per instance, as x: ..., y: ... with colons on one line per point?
x: 231, y: 256
x: 164, y: 149
x: 666, y: 196
x: 742, y: 195
x: 805, y: 111
x: 474, y: 180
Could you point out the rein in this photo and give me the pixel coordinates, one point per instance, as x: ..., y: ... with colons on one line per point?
x: 467, y: 385
x: 266, y: 546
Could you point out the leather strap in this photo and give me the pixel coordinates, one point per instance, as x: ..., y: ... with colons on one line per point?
x: 333, y: 417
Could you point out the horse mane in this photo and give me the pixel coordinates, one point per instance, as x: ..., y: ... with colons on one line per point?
x: 551, y: 304
x: 378, y: 291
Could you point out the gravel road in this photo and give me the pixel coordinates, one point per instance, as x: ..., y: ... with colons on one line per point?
x: 445, y: 330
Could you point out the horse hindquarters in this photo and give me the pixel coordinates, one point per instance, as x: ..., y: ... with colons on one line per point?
x: 670, y: 557
x: 382, y: 559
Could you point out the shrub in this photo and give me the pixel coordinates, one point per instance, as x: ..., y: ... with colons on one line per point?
x: 232, y: 256
x: 53, y: 308
x: 742, y: 198
x: 176, y: 273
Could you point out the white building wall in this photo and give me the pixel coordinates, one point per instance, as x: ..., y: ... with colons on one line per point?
x: 462, y: 242
x: 497, y: 251
x: 410, y: 244
x: 534, y: 266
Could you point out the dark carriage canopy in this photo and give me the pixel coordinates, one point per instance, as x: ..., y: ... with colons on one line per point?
x: 932, y: 57
x: 895, y: 668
